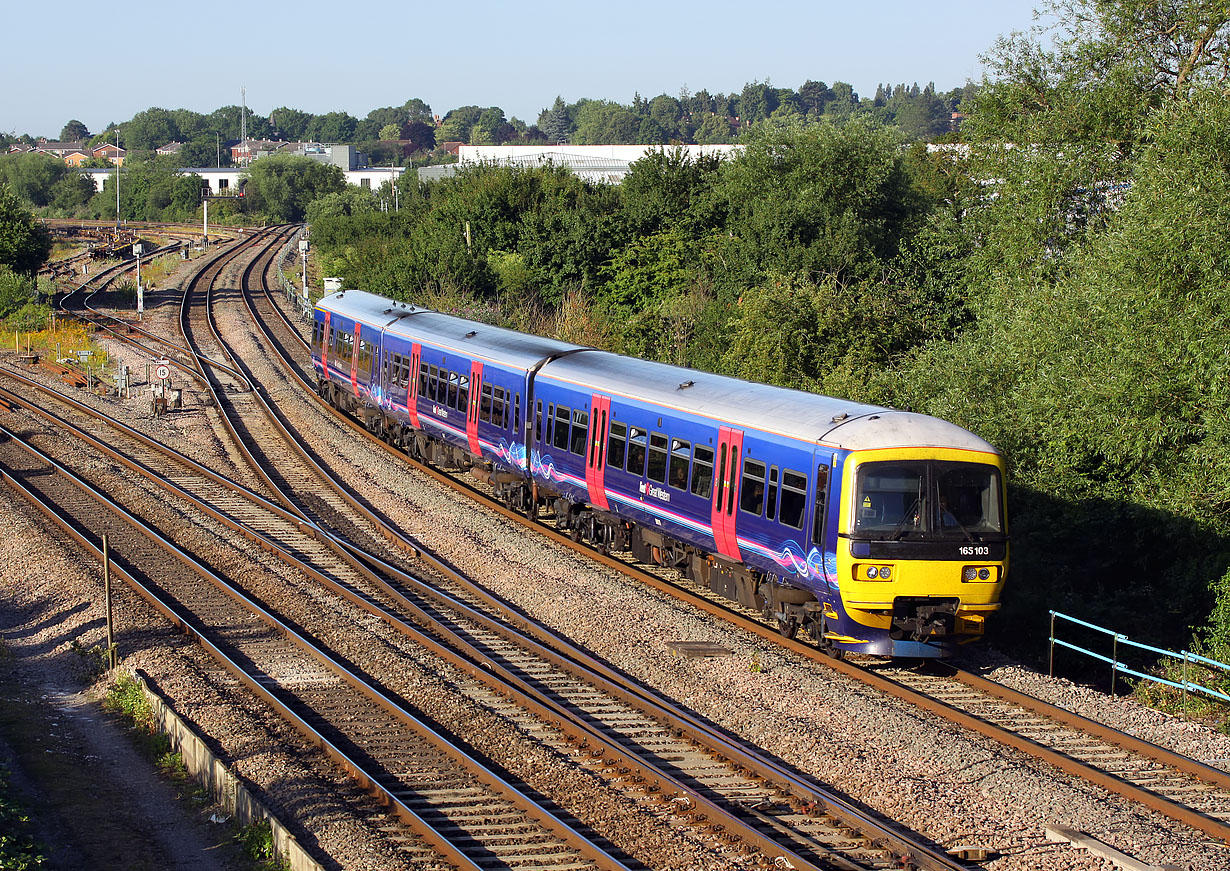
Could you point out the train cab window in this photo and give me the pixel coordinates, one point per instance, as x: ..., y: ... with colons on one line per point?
x: 794, y: 498
x: 702, y: 472
x: 484, y: 404
x: 822, y: 489
x: 538, y: 421
x: 616, y: 444
x: 636, y: 451
x: 681, y: 456
x: 657, y: 457
x: 771, y: 507
x: 318, y: 329
x: 580, y: 428
x: 562, y: 414
x: 751, y: 491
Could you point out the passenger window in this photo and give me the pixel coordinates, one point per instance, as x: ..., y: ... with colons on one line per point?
x: 517, y: 414
x: 702, y: 472
x: 454, y: 397
x: 771, y: 508
x: 822, y: 487
x: 497, y: 406
x: 681, y: 456
x: 636, y: 451
x: 580, y: 428
x: 484, y: 408
x: 657, y: 457
x: 538, y: 422
x: 423, y: 379
x: 433, y: 382
x: 751, y: 491
x: 463, y: 393
x: 794, y: 498
x: 616, y: 444
x: 562, y: 413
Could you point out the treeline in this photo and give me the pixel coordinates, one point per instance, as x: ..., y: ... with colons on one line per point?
x: 1055, y: 284
x: 411, y: 133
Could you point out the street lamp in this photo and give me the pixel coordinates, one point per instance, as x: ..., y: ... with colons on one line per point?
x: 303, y: 250
x: 138, y: 249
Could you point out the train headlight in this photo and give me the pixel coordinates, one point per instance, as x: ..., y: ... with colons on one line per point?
x: 984, y: 574
x: 969, y: 573
x: 886, y: 572
x: 872, y: 573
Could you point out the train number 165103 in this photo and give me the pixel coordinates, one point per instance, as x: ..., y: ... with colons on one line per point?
x: 974, y: 550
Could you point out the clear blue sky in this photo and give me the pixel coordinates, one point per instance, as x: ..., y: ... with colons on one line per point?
x: 105, y: 62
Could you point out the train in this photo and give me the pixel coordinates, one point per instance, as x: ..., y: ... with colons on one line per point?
x: 872, y: 530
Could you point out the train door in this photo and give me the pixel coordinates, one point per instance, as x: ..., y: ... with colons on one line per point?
x: 821, y: 522
x: 324, y: 345
x: 726, y: 492
x: 595, y: 462
x: 412, y: 385
x: 476, y: 391
x: 354, y: 359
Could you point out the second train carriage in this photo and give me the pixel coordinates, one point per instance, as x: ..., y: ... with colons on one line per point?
x: 877, y: 531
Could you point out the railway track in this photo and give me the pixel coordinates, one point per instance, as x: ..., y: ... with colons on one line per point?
x: 1181, y: 788
x: 459, y: 808
x: 724, y: 787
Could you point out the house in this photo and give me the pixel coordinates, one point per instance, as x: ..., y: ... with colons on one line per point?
x: 59, y: 149
x: 169, y: 148
x: 109, y: 151
x: 78, y: 158
x: 248, y: 150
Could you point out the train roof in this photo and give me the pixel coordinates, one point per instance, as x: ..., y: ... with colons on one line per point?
x: 509, y: 347
x: 840, y: 423
x: 810, y: 417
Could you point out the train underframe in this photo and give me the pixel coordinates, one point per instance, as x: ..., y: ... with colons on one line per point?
x: 792, y: 609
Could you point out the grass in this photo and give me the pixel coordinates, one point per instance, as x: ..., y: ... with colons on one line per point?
x: 256, y: 841
x: 1195, y: 705
x: 18, y: 851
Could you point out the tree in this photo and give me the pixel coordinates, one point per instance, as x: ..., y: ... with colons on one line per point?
x: 333, y: 127
x: 74, y: 131
x: 420, y: 136
x: 556, y: 123
x: 822, y: 198
x: 290, y: 124
x: 390, y: 132
x: 205, y: 151
x: 25, y: 244
x: 150, y: 129
x: 282, y: 186
x: 417, y: 110
x: 33, y: 177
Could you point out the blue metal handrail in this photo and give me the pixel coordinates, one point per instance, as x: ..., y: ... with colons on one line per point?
x: 1117, y: 667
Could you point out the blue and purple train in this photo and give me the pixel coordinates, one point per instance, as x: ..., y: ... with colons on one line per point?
x: 873, y: 530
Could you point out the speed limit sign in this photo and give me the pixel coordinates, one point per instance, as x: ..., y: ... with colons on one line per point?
x: 163, y: 371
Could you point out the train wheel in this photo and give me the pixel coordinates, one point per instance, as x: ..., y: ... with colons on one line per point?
x: 788, y: 626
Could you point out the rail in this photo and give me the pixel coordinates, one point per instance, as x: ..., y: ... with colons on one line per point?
x: 1117, y: 667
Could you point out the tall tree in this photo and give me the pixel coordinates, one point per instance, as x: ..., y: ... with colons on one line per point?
x: 74, y: 131
x: 25, y: 244
x: 281, y: 186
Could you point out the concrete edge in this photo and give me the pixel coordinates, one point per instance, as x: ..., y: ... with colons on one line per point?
x: 1062, y: 834
x: 213, y: 775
